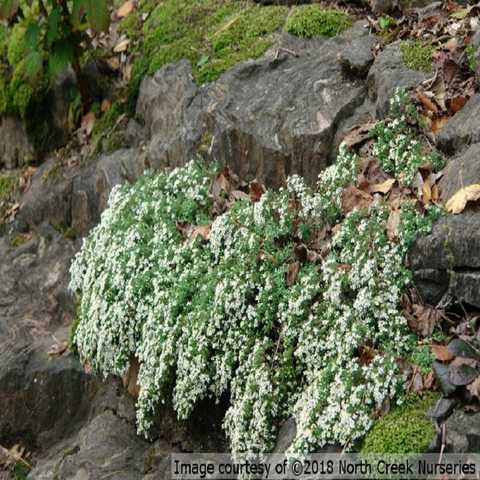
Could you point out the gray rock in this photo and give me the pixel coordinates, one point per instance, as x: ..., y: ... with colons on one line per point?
x: 388, y: 73
x: 106, y: 447
x: 462, y: 129
x: 278, y: 115
x: 265, y: 118
x: 448, y: 260
x: 170, y: 106
x: 16, y: 150
x: 463, y: 432
x: 75, y: 198
x: 35, y: 312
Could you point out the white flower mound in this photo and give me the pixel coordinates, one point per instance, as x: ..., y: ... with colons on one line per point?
x: 209, y: 318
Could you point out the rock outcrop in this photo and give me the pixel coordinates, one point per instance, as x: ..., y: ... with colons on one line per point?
x: 448, y: 260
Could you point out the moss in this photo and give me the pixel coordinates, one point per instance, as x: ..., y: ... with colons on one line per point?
x: 107, y: 137
x: 213, y: 34
x: 470, y: 52
x: 312, y: 20
x: 406, y: 429
x: 417, y: 55
x: 19, y: 240
x: 7, y: 186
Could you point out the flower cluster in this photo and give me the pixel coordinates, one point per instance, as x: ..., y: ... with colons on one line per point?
x: 396, y: 148
x: 208, y: 318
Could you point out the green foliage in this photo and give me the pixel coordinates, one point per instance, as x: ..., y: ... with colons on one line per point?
x: 212, y: 34
x: 405, y: 430
x: 417, y: 55
x: 471, y: 51
x: 217, y: 316
x: 399, y: 150
x: 7, y: 186
x: 44, y: 38
x: 312, y: 20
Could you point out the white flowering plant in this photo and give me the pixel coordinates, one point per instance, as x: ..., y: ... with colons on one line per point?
x: 213, y: 315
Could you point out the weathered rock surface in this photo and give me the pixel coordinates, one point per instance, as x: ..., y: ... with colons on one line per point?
x: 35, y: 313
x: 388, y: 73
x: 463, y: 433
x: 266, y: 118
x: 463, y: 129
x: 448, y: 260
x: 75, y: 198
x: 15, y: 148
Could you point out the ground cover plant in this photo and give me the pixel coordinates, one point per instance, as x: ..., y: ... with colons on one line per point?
x: 288, y: 301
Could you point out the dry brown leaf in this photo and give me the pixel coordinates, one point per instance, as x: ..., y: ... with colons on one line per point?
x: 426, y: 192
x: 457, y: 103
x: 58, y: 349
x: 383, y: 187
x: 442, y: 353
x: 122, y: 46
x: 239, y: 195
x: 292, y: 272
x: 474, y: 388
x: 130, y: 380
x: 429, y: 380
x: 256, y: 191
x: 106, y: 105
x: 422, y: 319
x: 126, y: 9
x: 202, y: 231
x: 358, y: 134
x: 458, y: 202
x: 439, y: 123
x: 393, y: 224
x: 88, y: 122
x: 14, y: 455
x: 426, y: 102
x: 352, y: 198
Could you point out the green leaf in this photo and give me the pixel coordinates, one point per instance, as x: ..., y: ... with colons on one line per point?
x: 203, y: 60
x: 78, y: 11
x: 60, y: 57
x: 33, y: 65
x: 8, y: 8
x: 32, y: 36
x: 53, y: 26
x: 98, y: 14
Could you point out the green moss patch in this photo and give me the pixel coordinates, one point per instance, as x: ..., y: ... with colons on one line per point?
x: 417, y: 55
x: 7, y: 186
x: 406, y: 429
x: 311, y: 20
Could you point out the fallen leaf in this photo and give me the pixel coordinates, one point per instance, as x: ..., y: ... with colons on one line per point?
x: 106, y: 105
x: 130, y: 379
x: 121, y: 46
x: 457, y: 103
x: 358, y: 134
x: 239, y: 195
x: 429, y: 380
x: 292, y: 272
x: 383, y: 187
x: 88, y: 122
x: 14, y: 455
x: 442, y: 353
x: 393, y: 224
x: 450, y: 70
x: 474, y: 388
x: 423, y: 319
x: 352, y: 198
x: 426, y: 192
x: 462, y: 375
x: 256, y: 191
x: 58, y: 349
x: 458, y: 202
x: 202, y: 231
x: 438, y: 123
x: 426, y: 101
x: 126, y: 9
x: 461, y: 348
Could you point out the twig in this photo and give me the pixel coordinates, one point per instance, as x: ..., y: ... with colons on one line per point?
x: 442, y: 448
x: 286, y: 50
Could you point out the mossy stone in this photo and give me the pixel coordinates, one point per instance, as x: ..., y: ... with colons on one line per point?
x: 417, y: 55
x: 405, y: 430
x: 311, y: 20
